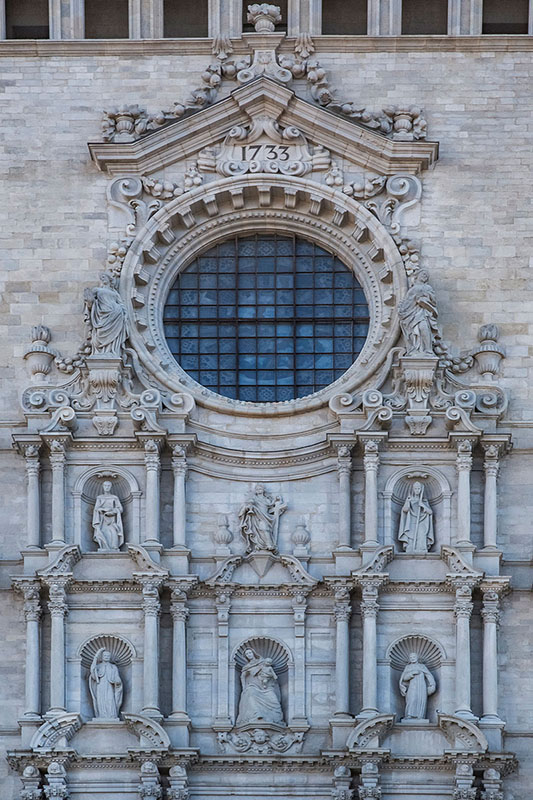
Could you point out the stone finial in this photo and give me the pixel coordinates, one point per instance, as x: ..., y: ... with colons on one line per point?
x: 489, y: 353
x: 264, y: 17
x: 39, y: 356
x: 223, y: 536
x: 300, y: 538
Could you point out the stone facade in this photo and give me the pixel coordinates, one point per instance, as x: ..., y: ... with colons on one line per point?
x: 170, y: 629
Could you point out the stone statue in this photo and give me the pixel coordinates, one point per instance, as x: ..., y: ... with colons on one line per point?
x: 106, y: 314
x: 107, y: 520
x: 105, y: 686
x: 260, y: 697
x: 259, y: 520
x: 416, y: 522
x: 416, y: 684
x: 418, y: 317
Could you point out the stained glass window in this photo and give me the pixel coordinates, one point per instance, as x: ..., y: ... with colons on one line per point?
x: 266, y: 318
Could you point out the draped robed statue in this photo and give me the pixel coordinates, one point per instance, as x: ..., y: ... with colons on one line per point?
x: 416, y: 684
x: 107, y: 520
x: 105, y: 686
x: 416, y: 522
x: 418, y: 317
x: 106, y: 315
x: 259, y: 520
x: 260, y: 696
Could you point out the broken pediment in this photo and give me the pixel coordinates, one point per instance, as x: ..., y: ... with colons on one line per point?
x: 263, y: 112
x: 262, y: 568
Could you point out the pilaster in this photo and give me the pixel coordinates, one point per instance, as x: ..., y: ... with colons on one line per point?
x: 223, y: 720
x: 151, y: 585
x: 58, y: 608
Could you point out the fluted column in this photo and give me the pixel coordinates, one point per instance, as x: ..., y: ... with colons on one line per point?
x: 491, y: 466
x: 464, y: 468
x: 344, y: 469
x: 57, y: 462
x: 31, y: 590
x: 153, y: 466
x: 463, y: 611
x: 223, y: 606
x: 490, y: 614
x: 152, y: 609
x: 33, y: 518
x: 369, y: 613
x: 371, y: 465
x: 179, y: 613
x: 179, y: 470
x: 343, y: 612
x: 58, y: 608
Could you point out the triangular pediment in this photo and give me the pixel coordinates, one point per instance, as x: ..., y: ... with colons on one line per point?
x: 281, y: 113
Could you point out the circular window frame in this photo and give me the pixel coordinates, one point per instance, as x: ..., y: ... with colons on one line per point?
x: 190, y: 224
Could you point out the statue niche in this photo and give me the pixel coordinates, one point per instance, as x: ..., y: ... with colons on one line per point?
x: 107, y: 520
x: 416, y: 522
x: 105, y: 685
x: 260, y: 700
x: 105, y: 677
x: 415, y: 661
x: 416, y: 684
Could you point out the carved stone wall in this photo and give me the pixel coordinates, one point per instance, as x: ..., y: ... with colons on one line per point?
x: 335, y: 605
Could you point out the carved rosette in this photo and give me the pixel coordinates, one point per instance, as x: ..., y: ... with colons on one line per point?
x: 260, y: 740
x: 57, y: 604
x: 150, y: 786
x: 150, y: 589
x: 371, y: 456
x: 464, y: 455
x: 491, y: 464
x: 179, y: 460
x: 369, y: 602
x: 343, y: 609
x: 344, y: 460
x: 463, y: 606
x: 32, y: 605
x: 151, y: 455
x: 178, y: 605
x: 57, y: 455
x: 31, y: 454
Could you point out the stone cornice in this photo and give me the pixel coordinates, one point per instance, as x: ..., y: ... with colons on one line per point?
x: 48, y: 48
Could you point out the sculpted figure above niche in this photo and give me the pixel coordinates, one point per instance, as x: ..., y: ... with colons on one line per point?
x: 107, y: 520
x: 418, y: 317
x: 259, y: 520
x: 105, y: 314
x: 416, y: 684
x: 105, y: 686
x: 416, y: 522
x: 260, y: 698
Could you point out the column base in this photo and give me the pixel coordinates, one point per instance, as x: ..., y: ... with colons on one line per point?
x: 55, y: 545
x: 465, y: 713
x: 153, y: 713
x: 492, y: 726
x: 52, y: 713
x: 368, y: 548
x: 155, y: 549
x: 367, y: 713
x: 222, y: 724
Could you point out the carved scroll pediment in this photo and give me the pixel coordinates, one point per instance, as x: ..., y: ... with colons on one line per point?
x: 461, y: 734
x: 56, y: 732
x: 151, y: 734
x: 457, y: 565
x: 263, y: 568
x: 368, y: 733
x: 64, y: 561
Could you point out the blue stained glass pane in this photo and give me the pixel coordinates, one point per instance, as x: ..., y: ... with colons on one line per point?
x: 227, y: 361
x: 189, y: 362
x: 266, y: 377
x: 249, y: 311
x: 207, y: 281
x: 266, y: 394
x: 266, y: 362
x: 266, y: 281
x: 247, y: 361
x: 304, y: 296
x: 284, y: 346
x: 304, y: 346
x: 284, y: 281
x: 266, y: 346
x: 284, y: 362
x: 208, y: 361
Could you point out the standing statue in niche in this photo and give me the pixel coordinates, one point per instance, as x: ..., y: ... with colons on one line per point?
x: 260, y: 696
x: 418, y: 317
x: 107, y: 520
x: 416, y: 684
x: 416, y: 522
x: 259, y: 520
x: 106, y: 315
x: 105, y: 686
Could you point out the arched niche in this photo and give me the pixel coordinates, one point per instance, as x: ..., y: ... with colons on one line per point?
x: 282, y: 663
x: 86, y: 490
x: 437, y: 492
x: 122, y: 654
x: 429, y: 652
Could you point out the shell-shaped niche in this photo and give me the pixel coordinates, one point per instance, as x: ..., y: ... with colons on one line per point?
x: 121, y: 651
x: 267, y: 648
x: 428, y: 652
